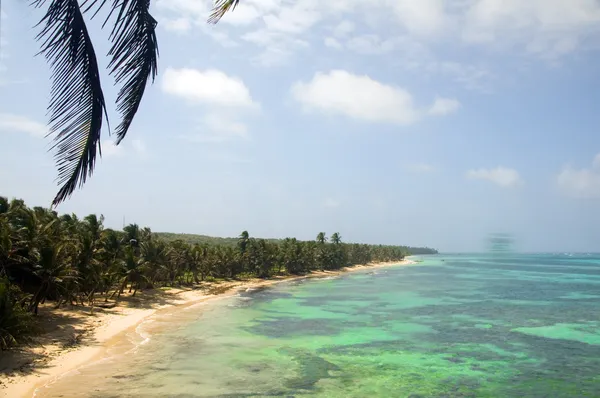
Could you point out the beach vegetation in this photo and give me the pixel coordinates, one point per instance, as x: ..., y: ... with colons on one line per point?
x: 69, y: 260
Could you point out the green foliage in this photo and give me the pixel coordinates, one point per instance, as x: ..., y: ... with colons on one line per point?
x: 16, y: 323
x: 44, y: 256
x: 202, y: 239
x: 233, y: 242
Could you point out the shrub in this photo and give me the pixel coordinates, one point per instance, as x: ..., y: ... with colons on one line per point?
x: 16, y: 323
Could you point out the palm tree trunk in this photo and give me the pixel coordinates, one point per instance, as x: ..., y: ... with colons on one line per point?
x: 35, y: 301
x: 91, y: 301
x: 120, y: 289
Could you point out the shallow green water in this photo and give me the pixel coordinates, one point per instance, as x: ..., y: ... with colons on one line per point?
x: 468, y: 326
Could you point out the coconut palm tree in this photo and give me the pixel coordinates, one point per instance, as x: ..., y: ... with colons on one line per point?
x: 220, y: 8
x: 88, y: 248
x: 16, y: 324
x: 77, y: 104
x: 44, y: 256
x: 154, y: 257
x: 243, y: 241
x: 336, y: 238
x: 321, y: 238
x: 131, y: 271
x: 53, y: 268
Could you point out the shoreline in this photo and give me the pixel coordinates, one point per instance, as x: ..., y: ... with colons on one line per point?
x: 74, y: 337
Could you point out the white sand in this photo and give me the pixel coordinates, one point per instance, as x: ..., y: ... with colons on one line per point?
x: 28, y: 368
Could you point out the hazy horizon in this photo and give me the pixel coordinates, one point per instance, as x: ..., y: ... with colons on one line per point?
x: 430, y: 123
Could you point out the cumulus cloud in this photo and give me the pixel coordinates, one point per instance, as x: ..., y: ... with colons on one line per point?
x: 359, y: 97
x: 581, y: 183
x: 423, y: 17
x: 501, y: 176
x: 444, y: 106
x: 218, y: 94
x: 21, y: 124
x: 210, y: 87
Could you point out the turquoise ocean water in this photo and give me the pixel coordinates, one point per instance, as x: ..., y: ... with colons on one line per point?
x: 452, y: 326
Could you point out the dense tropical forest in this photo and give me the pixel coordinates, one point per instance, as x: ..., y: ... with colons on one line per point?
x: 233, y: 242
x: 62, y: 258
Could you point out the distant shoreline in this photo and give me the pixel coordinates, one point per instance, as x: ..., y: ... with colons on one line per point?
x: 63, y: 349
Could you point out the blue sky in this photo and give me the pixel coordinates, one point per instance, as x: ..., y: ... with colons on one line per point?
x: 398, y: 122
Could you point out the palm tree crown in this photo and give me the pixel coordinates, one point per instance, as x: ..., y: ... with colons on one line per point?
x: 77, y: 108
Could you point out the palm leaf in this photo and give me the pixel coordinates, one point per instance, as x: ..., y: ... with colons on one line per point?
x: 134, y: 55
x: 77, y: 102
x: 220, y: 8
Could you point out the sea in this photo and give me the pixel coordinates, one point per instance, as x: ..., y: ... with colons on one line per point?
x: 492, y: 325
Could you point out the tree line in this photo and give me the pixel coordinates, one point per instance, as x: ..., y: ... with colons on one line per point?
x: 233, y: 241
x: 45, y: 256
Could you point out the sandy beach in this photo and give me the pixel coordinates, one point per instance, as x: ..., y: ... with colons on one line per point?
x: 73, y: 337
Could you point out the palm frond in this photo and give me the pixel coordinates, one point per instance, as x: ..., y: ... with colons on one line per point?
x: 220, y: 8
x: 77, y: 102
x: 134, y: 55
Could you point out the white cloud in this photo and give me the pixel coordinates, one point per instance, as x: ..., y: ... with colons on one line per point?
x: 359, y: 97
x: 550, y: 28
x: 544, y: 28
x: 331, y: 203
x: 211, y: 87
x: 581, y: 183
x: 501, y: 176
x: 444, y: 106
x: 245, y: 14
x: 218, y: 94
x: 21, y: 124
x: 423, y: 17
x: 280, y: 29
x: 337, y: 92
x: 298, y: 18
x: 278, y: 47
